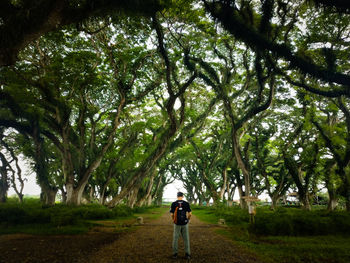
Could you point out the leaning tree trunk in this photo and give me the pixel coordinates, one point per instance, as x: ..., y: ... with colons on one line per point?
x: 148, y: 194
x: 245, y: 170
x: 224, y: 184
x: 133, y: 197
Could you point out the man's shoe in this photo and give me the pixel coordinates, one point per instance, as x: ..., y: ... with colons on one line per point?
x: 187, y: 256
x: 175, y: 256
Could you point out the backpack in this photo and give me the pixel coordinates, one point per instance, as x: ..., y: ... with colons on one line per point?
x: 180, y: 214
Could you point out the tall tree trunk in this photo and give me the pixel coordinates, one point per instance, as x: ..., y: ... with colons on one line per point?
x: 243, y: 167
x: 224, y: 184
x: 296, y: 173
x: 332, y: 192
x: 4, y: 186
x: 42, y: 169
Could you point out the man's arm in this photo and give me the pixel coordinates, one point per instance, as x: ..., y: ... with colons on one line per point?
x: 172, y: 211
x: 189, y: 214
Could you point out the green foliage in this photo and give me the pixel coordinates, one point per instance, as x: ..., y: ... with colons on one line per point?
x: 31, y: 212
x: 283, y: 221
x: 323, y: 243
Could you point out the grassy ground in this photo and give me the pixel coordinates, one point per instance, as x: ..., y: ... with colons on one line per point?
x: 284, y: 249
x: 32, y: 218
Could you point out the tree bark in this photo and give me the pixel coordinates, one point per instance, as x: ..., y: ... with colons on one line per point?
x: 274, y: 203
x: 63, y: 194
x: 4, y: 186
x: 143, y: 200
x: 132, y: 197
x: 49, y: 196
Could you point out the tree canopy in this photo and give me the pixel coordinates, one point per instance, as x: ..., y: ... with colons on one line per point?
x: 112, y: 100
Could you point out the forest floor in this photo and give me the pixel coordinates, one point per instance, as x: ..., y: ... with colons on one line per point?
x: 150, y: 242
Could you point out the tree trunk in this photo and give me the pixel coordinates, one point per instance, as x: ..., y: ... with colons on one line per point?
x: 3, y: 185
x: 159, y: 195
x: 333, y: 198
x: 75, y: 194
x: 64, y: 195
x: 49, y: 192
x: 91, y: 194
x: 132, y: 197
x: 224, y: 184
x: 145, y: 198
x: 274, y: 199
x: 215, y: 197
x: 49, y: 196
x: 332, y: 204
x: 145, y: 168
x: 305, y: 200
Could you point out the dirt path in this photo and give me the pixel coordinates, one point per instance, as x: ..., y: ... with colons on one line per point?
x: 152, y: 243
x: 148, y: 243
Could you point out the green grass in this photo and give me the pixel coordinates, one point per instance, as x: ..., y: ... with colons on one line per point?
x: 152, y: 213
x: 31, y: 218
x: 45, y: 229
x: 281, y: 249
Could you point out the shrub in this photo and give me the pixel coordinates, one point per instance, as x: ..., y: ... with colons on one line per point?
x: 63, y: 219
x: 122, y: 211
x: 12, y: 214
x: 296, y: 222
x: 31, y: 212
x: 284, y: 221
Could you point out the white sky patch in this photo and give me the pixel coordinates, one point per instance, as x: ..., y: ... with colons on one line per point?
x: 171, y: 189
x: 177, y: 104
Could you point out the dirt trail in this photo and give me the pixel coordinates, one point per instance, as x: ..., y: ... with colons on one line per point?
x: 150, y: 242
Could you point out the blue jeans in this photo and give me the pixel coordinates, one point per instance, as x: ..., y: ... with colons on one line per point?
x: 183, y: 230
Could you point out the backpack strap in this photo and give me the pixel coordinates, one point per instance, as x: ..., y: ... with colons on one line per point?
x: 175, y: 215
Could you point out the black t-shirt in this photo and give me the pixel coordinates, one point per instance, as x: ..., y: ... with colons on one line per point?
x: 183, y: 208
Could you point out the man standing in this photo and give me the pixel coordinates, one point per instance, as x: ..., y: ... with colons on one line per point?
x: 181, y: 214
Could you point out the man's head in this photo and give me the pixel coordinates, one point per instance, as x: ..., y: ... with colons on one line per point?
x: 180, y: 195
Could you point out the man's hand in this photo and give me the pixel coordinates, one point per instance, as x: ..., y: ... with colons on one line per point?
x: 172, y: 216
x: 189, y: 214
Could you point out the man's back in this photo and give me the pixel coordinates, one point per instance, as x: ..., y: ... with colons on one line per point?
x: 179, y: 208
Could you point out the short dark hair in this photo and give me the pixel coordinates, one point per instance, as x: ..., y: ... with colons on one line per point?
x: 180, y: 194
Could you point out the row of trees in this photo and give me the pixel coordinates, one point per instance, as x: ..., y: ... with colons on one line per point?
x: 250, y: 96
